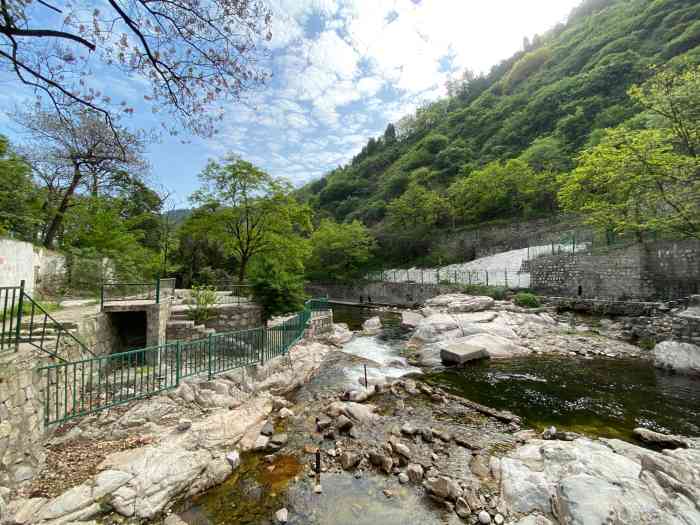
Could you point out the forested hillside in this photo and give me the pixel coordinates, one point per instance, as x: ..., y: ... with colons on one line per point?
x: 501, y: 146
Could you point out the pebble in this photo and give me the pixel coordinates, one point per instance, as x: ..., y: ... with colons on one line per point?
x: 184, y: 425
x: 498, y: 519
x: 484, y: 517
x: 282, y: 516
x: 403, y: 478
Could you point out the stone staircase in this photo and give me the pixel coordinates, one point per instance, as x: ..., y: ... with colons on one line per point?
x: 181, y: 327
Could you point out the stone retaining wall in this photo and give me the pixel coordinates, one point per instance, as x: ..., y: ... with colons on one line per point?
x: 649, y: 271
x: 397, y: 294
x: 22, y: 429
x: 230, y: 317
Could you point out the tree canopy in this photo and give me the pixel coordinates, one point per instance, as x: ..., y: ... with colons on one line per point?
x: 190, y: 54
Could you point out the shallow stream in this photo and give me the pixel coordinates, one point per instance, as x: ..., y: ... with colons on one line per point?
x: 597, y: 397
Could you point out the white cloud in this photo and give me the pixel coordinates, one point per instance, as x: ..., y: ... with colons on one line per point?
x: 345, y: 68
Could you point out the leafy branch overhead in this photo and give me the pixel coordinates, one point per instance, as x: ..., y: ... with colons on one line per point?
x: 189, y: 55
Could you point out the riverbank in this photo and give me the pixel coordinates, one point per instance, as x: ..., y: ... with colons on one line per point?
x: 409, y: 449
x: 412, y: 453
x: 136, y: 460
x: 405, y: 451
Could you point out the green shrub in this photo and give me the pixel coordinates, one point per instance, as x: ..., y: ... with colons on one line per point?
x: 495, y: 292
x: 527, y: 300
x: 203, y: 299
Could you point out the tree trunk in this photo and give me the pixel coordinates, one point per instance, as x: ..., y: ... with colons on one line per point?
x: 51, y: 232
x: 241, y: 269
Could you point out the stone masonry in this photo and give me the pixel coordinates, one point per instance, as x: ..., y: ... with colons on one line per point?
x: 651, y: 271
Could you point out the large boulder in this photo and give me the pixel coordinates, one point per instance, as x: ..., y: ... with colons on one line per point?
x: 435, y: 327
x: 341, y: 334
x: 586, y: 482
x: 679, y: 357
x: 496, y: 346
x: 410, y: 319
x: 661, y: 440
x: 372, y: 326
x: 470, y: 304
x: 462, y: 352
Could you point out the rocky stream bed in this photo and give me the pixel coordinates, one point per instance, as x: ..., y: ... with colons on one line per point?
x: 413, y: 446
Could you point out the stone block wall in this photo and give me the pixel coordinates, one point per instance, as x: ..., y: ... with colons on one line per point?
x: 398, y: 294
x: 230, y: 317
x: 22, y: 428
x: 659, y: 270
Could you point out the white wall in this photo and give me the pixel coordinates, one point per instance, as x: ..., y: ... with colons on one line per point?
x: 24, y: 261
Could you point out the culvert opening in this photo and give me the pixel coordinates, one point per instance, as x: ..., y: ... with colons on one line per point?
x: 130, y: 330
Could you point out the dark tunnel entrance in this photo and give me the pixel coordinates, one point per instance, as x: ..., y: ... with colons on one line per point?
x: 130, y: 330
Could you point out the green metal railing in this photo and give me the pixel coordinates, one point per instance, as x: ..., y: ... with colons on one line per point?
x: 10, y: 316
x: 23, y: 320
x: 82, y: 387
x: 155, y: 292
x: 237, y: 293
x: 43, y: 332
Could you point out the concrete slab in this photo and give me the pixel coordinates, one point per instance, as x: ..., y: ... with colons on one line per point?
x: 460, y: 353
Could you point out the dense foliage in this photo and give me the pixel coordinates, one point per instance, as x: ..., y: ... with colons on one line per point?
x: 501, y: 146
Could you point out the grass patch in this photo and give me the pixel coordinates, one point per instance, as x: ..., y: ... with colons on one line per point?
x: 527, y: 300
x: 495, y: 292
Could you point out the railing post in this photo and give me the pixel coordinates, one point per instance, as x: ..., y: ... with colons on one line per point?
x: 20, y: 305
x: 178, y: 363
x: 158, y: 290
x: 102, y: 297
x: 209, y: 355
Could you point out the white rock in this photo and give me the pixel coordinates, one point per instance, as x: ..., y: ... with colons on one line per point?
x: 410, y: 319
x: 680, y: 357
x: 372, y: 326
x: 592, y: 481
x: 184, y: 425
x: 461, y: 352
x: 282, y: 516
x: 484, y: 517
x: 470, y: 304
x: 234, y: 459
x: 284, y: 413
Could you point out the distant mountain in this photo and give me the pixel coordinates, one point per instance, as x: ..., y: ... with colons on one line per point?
x: 542, y: 106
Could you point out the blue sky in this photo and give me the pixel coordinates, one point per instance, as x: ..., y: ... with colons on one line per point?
x: 342, y: 69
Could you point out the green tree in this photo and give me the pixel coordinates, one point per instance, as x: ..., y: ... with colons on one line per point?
x: 96, y: 227
x: 276, y: 289
x: 641, y: 180
x: 390, y: 134
x: 510, y: 189
x: 635, y: 182
x: 246, y: 210
x: 417, y: 207
x: 340, y: 252
x: 20, y: 213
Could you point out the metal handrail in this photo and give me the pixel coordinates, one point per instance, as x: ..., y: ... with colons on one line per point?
x: 10, y: 315
x: 74, y: 389
x: 61, y: 331
x: 153, y: 291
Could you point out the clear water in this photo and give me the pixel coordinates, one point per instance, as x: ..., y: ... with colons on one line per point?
x: 603, y: 397
x: 598, y: 397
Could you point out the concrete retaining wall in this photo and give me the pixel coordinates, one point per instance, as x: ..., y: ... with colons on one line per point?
x: 38, y: 267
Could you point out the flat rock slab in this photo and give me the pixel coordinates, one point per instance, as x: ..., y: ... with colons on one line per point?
x: 460, y: 353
